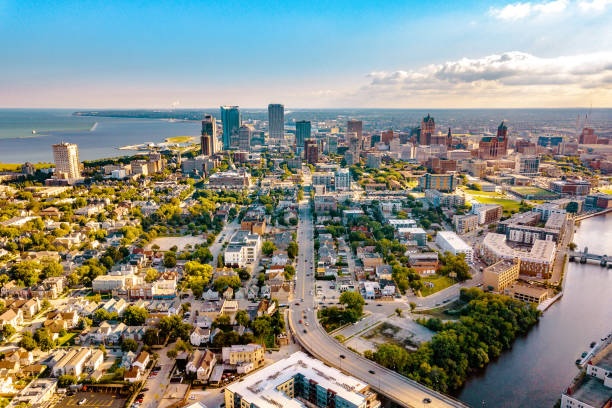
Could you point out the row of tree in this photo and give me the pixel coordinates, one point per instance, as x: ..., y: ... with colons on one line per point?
x: 487, y: 326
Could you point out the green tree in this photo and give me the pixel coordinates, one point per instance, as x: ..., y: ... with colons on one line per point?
x: 64, y: 381
x: 292, y: 250
x: 129, y: 345
x: 223, y: 282
x: 151, y: 275
x: 27, y: 341
x: 7, y: 331
x: 170, y: 259
x: 242, y: 318
x: 43, y: 339
x: 52, y: 268
x: 135, y: 316
x: 268, y: 248
x: 352, y: 300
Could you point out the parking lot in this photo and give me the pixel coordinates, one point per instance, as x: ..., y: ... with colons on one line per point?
x: 93, y: 399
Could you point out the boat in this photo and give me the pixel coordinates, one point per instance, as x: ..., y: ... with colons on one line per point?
x: 33, y: 131
x: 593, y: 344
x: 584, y: 354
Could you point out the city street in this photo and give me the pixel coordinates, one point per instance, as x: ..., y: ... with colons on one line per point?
x: 406, y: 392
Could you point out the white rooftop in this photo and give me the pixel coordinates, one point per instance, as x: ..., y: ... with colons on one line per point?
x: 453, y: 239
x: 260, y: 388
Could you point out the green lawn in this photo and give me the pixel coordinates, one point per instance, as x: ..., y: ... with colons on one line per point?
x: 533, y: 192
x: 439, y: 282
x: 486, y: 197
x: 67, y: 339
x: 180, y: 139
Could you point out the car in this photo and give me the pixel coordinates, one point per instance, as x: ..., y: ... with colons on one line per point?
x: 379, y: 304
x: 426, y: 400
x: 81, y: 402
x: 307, y: 324
x: 300, y: 321
x: 297, y: 304
x: 145, y: 390
x: 305, y: 331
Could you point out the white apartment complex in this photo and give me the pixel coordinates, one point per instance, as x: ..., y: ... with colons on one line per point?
x: 449, y: 241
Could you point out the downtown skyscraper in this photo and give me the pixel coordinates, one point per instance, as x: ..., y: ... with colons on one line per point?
x: 276, y: 123
x: 230, y: 117
x: 208, y: 140
x: 303, y: 130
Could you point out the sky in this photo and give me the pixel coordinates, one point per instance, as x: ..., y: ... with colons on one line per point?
x: 305, y: 54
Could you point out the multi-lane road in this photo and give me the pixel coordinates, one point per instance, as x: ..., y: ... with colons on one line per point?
x: 315, y: 340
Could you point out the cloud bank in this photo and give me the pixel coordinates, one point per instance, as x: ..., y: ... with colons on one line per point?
x: 510, y: 76
x: 524, y: 10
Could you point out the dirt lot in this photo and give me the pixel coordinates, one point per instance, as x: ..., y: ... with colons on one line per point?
x: 93, y: 399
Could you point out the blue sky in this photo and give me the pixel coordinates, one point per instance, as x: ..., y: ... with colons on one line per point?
x: 152, y: 54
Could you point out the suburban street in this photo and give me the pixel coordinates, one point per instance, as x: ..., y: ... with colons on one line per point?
x: 316, y: 341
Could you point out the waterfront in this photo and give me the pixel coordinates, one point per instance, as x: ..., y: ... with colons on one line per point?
x: 94, y: 141
x: 541, y: 365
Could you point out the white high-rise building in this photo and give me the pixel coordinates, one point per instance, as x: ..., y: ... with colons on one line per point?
x: 343, y: 180
x: 276, y: 123
x: 66, y: 157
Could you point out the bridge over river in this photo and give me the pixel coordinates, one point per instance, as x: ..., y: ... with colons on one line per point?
x: 585, y: 256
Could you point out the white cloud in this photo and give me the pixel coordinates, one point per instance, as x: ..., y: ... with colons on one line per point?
x: 524, y: 10
x: 510, y: 76
x: 593, y: 5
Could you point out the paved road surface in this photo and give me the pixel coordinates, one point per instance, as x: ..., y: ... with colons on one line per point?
x: 314, y: 339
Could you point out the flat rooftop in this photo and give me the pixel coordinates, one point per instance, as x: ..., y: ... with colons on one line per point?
x: 260, y: 388
x: 500, y: 266
x: 454, y: 240
x: 592, y: 392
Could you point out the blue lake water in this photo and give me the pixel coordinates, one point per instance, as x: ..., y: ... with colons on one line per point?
x: 18, y: 144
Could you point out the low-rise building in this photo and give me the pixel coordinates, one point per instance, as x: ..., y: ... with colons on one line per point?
x: 465, y: 223
x: 246, y: 357
x: 449, y: 241
x: 527, y: 293
x: 298, y: 378
x: 426, y: 263
x: 501, y: 274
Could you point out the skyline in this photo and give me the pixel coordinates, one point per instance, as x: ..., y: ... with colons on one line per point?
x: 540, y: 54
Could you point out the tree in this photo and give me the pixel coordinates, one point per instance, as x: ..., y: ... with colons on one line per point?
x: 292, y: 250
x: 7, y: 331
x: 289, y: 271
x: 27, y: 341
x: 353, y: 300
x: 412, y: 306
x: 135, y: 316
x: 52, y: 268
x: 43, y: 339
x: 64, y: 381
x: 572, y: 246
x: 398, y: 312
x: 268, y: 248
x: 151, y: 275
x: 170, y: 259
x: 26, y: 272
x: 171, y: 353
x: 225, y: 281
x: 242, y: 318
x: 129, y: 345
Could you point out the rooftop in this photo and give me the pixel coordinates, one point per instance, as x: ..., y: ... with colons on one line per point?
x: 500, y: 266
x: 260, y: 388
x: 454, y: 240
x: 592, y: 392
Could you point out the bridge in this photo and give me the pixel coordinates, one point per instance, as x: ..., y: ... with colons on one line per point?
x: 585, y: 256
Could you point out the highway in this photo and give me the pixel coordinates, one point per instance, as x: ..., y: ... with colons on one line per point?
x: 315, y: 340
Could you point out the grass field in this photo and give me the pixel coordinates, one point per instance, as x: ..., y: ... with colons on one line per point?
x: 180, y: 139
x: 533, y: 192
x: 17, y: 166
x: 67, y: 339
x: 439, y: 282
x: 485, y: 197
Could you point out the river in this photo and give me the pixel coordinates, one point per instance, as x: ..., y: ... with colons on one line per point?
x: 541, y: 365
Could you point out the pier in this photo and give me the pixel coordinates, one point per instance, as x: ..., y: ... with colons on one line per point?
x: 585, y: 256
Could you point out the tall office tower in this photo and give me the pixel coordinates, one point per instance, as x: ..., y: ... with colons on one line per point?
x: 66, y: 157
x: 276, y: 123
x: 386, y: 136
x: 208, y: 141
x: 428, y: 127
x: 343, y: 180
x: 230, y: 117
x: 449, y: 139
x: 332, y: 144
x: 354, y: 144
x: 356, y: 127
x: 494, y: 147
x: 311, y: 151
x: 303, y: 131
x: 244, y: 138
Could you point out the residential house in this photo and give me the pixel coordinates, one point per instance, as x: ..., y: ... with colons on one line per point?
x: 142, y: 360
x: 199, y: 336
x: 132, y: 375
x: 246, y: 357
x: 11, y: 317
